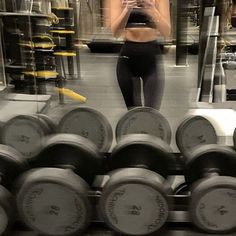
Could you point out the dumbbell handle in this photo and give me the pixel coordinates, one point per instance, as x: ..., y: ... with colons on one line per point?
x: 211, y: 172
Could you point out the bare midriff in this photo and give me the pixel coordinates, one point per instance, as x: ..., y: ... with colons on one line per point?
x: 140, y: 34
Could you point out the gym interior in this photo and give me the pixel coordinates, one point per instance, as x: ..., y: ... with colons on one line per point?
x: 75, y: 161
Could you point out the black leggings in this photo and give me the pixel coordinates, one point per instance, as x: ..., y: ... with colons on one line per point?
x: 141, y: 60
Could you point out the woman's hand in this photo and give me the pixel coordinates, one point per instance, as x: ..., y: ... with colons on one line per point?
x: 129, y: 4
x: 146, y: 3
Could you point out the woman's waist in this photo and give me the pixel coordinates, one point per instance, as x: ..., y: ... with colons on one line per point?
x: 140, y: 34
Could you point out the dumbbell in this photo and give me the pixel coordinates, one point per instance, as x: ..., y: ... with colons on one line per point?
x: 12, y: 164
x: 25, y: 133
x: 88, y: 123
x: 144, y: 120
x: 41, y: 26
x: 194, y: 131
x: 135, y: 199
x: 206, y: 126
x: 52, y: 198
x: 210, y: 174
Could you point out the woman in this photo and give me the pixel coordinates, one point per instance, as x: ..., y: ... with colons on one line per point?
x: 140, y: 22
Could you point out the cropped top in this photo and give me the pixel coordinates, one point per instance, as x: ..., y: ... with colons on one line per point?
x: 138, y: 19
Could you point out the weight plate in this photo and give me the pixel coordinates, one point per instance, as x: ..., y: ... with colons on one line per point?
x: 134, y: 202
x: 44, y: 59
x: 234, y: 138
x: 25, y: 133
x: 90, y: 124
x: 41, y: 29
x: 194, y: 131
x: 62, y: 31
x: 142, y: 150
x: 12, y: 163
x: 54, y: 201
x: 65, y: 53
x: 41, y: 74
x: 42, y: 67
x: 65, y: 22
x: 210, y: 157
x: 144, y: 120
x: 73, y: 151
x: 213, y: 204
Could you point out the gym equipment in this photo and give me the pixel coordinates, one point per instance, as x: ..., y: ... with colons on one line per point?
x: 49, y: 121
x: 25, y: 133
x: 193, y: 131
x: 53, y: 198
x: 209, y: 30
x: 11, y: 165
x: 88, y: 123
x: 234, y: 138
x: 144, y: 120
x: 71, y: 94
x: 135, y: 200
x: 210, y: 171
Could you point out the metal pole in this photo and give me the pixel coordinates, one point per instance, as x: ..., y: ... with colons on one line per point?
x: 77, y: 19
x: 181, y: 34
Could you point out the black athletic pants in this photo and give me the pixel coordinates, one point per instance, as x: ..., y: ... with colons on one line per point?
x: 141, y: 60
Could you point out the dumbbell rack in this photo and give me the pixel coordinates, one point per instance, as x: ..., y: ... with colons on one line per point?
x: 177, y: 224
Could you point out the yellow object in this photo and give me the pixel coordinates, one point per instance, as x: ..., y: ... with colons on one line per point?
x: 63, y: 31
x: 65, y: 54
x: 72, y: 94
x: 29, y: 44
x: 44, y: 45
x: 38, y: 45
x: 63, y: 8
x: 42, y: 74
x: 54, y: 18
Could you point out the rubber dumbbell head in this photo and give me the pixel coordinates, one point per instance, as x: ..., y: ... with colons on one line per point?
x: 90, y: 124
x: 144, y: 120
x: 210, y: 172
x: 194, y: 131
x: 53, y: 198
x: 12, y: 164
x: 24, y: 133
x: 53, y: 201
x: 135, y: 199
x: 51, y: 124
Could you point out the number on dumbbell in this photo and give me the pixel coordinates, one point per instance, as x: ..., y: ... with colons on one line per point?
x: 135, y: 210
x: 54, y: 210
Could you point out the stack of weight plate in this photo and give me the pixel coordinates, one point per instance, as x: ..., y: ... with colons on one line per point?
x: 39, y: 52
x: 63, y: 32
x: 29, y: 45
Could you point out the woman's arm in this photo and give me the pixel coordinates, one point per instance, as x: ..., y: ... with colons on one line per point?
x: 159, y: 11
x: 120, y: 11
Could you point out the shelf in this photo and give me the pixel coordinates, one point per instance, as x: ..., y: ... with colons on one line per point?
x: 23, y: 14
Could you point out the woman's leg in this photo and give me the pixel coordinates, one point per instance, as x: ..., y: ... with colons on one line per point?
x: 153, y: 84
x: 125, y: 80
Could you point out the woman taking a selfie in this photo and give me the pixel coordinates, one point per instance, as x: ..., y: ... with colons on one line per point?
x: 140, y: 22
